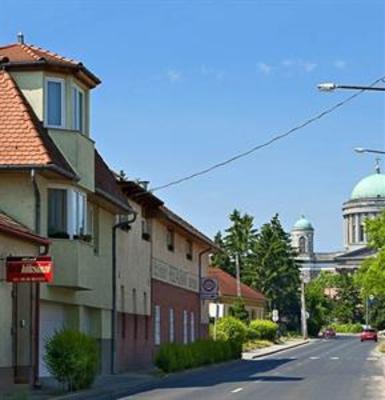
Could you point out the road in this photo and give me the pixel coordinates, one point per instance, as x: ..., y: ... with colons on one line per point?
x: 334, y: 369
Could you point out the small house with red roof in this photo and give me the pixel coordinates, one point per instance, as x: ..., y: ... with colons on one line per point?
x: 255, y: 302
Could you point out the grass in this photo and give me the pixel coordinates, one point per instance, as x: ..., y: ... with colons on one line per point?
x: 256, y: 344
x: 381, y: 347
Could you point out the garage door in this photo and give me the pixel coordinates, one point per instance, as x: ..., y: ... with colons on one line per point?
x: 52, y: 318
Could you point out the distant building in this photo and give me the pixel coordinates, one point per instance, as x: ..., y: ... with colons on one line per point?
x: 366, y: 202
x: 254, y: 301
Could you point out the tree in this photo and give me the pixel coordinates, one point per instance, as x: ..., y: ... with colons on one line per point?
x: 238, y: 310
x: 371, y: 274
x: 274, y: 271
x: 238, y: 241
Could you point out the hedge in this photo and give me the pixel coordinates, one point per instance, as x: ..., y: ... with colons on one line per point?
x: 347, y: 328
x: 262, y: 329
x: 72, y: 357
x: 173, y: 357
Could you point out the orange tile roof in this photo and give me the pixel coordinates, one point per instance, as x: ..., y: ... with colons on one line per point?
x: 20, y: 55
x: 228, y: 286
x: 23, y: 140
x: 12, y: 227
x: 19, y: 52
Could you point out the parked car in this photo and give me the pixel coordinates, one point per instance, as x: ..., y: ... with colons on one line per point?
x: 329, y: 333
x: 369, y: 334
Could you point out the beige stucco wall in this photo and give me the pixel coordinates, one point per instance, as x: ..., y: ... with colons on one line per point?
x: 16, y: 247
x: 134, y: 263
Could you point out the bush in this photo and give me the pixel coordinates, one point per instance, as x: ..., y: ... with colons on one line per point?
x: 263, y: 329
x: 347, y: 328
x: 230, y: 328
x: 72, y: 357
x: 173, y: 357
x: 238, y: 310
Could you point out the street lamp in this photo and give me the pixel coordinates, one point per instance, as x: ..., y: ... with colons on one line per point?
x: 363, y: 150
x: 331, y: 86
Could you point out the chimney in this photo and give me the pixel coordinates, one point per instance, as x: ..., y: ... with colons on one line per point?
x: 20, y: 38
x: 144, y: 184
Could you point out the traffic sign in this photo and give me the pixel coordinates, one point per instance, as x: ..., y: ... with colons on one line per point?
x: 209, y: 289
x: 275, y: 316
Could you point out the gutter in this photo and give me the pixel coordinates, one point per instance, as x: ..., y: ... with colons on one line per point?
x: 199, y: 283
x: 125, y: 225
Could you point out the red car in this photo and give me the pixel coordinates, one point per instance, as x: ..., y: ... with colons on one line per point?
x: 369, y: 334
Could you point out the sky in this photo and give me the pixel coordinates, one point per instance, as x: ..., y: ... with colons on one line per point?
x: 186, y: 84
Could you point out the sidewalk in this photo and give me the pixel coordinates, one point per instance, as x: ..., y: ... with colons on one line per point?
x: 250, y: 355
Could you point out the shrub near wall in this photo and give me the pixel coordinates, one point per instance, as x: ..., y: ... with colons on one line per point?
x: 173, y: 357
x: 262, y: 329
x: 72, y: 357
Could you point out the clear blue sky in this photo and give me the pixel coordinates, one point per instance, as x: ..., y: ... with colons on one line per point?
x: 189, y: 83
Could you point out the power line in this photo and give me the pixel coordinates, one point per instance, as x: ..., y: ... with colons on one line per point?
x: 267, y: 143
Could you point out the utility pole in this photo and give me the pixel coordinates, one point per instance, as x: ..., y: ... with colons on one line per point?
x: 303, y: 310
x: 238, y: 274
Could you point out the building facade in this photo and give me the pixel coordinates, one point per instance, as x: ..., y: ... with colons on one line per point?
x: 367, y: 201
x: 55, y: 183
x: 254, y: 301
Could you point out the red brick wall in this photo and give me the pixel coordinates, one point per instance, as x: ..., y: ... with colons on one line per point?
x: 168, y: 296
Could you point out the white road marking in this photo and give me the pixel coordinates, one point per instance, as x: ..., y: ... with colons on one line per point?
x: 334, y: 358
x: 236, y: 390
x: 314, y: 358
x: 372, y: 358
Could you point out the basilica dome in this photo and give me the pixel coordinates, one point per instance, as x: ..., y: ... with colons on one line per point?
x: 373, y: 186
x: 303, y: 224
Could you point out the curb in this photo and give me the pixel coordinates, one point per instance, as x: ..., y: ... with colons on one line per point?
x: 288, y: 347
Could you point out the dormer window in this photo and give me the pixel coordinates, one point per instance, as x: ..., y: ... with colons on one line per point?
x: 78, y: 109
x: 54, y: 103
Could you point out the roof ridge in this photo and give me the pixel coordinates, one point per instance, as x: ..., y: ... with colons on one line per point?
x: 51, y: 53
x: 29, y: 51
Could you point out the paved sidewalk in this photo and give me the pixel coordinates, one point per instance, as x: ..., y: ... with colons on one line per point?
x: 290, y: 344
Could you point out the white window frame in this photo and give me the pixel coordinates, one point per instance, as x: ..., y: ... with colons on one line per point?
x: 157, y: 325
x: 71, y: 217
x: 172, y: 325
x: 75, y: 117
x: 192, y: 327
x: 185, y: 325
x: 63, y: 99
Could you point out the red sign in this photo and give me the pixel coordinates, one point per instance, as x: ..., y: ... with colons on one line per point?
x: 29, y: 269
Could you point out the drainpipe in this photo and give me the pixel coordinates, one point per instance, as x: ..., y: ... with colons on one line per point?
x: 35, y: 338
x: 200, y: 278
x: 125, y: 225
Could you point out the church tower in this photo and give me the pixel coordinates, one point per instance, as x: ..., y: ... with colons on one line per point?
x: 302, y: 237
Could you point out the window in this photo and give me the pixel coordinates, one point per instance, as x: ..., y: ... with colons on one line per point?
x: 78, y: 109
x: 170, y: 239
x: 157, y: 326
x: 171, y: 325
x: 54, y: 103
x: 185, y: 332
x: 79, y: 213
x: 57, y: 213
x: 67, y: 214
x: 302, y: 245
x: 189, y: 249
x: 354, y: 230
x: 146, y: 233
x: 135, y: 311
x: 192, y: 327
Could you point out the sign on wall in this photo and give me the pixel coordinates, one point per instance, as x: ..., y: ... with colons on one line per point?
x: 209, y: 289
x: 29, y: 269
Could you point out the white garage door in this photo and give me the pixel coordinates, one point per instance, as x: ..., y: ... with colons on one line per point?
x: 52, y: 317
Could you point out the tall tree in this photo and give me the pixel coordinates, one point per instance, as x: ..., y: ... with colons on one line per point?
x: 274, y: 271
x: 237, y: 242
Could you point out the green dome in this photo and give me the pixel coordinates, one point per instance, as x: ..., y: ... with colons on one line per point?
x: 371, y: 186
x: 303, y: 224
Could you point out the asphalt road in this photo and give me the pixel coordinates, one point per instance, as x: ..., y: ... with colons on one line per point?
x: 334, y: 369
